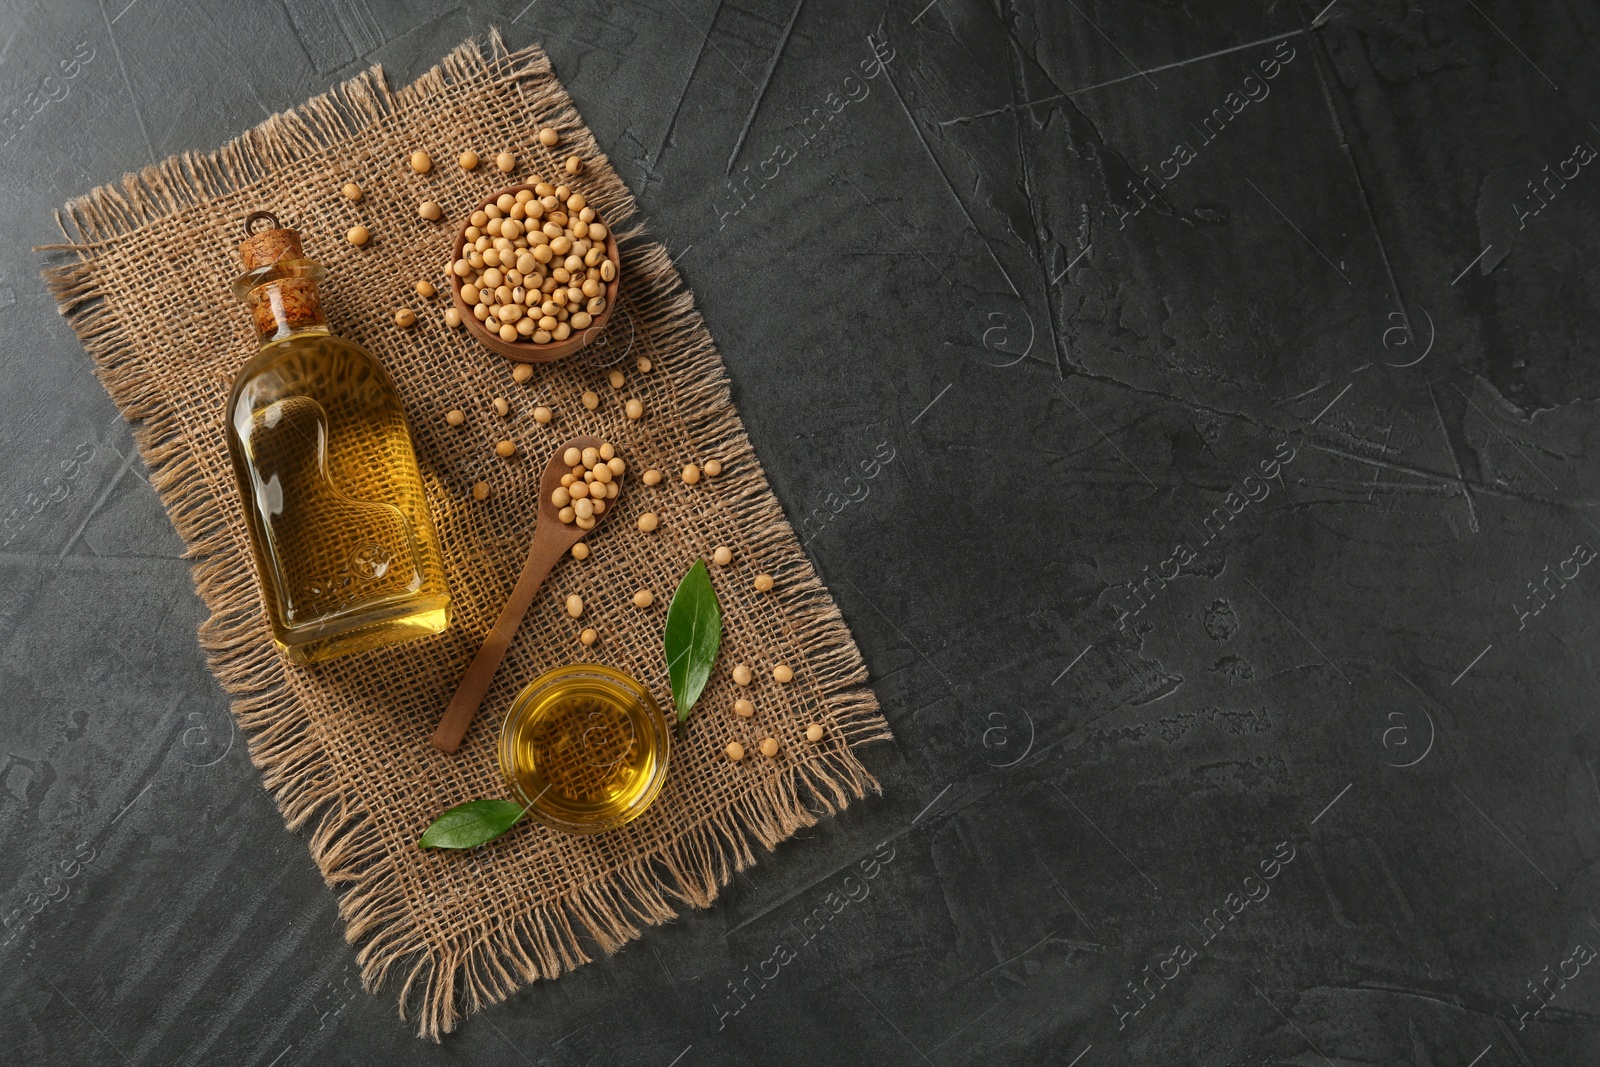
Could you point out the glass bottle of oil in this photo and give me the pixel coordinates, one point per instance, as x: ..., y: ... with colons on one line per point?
x: 346, y: 554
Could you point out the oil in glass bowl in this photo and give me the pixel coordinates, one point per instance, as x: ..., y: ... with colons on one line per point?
x: 584, y: 748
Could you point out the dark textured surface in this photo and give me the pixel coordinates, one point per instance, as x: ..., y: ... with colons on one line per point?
x: 1071, y: 374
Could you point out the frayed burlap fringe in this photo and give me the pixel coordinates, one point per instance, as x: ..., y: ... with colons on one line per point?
x: 448, y: 963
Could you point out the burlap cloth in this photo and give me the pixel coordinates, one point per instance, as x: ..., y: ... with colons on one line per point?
x: 343, y: 746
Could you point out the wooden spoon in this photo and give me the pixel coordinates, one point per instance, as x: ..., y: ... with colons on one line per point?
x: 552, y: 538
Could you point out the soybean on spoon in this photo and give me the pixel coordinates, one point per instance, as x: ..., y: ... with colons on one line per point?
x: 552, y: 538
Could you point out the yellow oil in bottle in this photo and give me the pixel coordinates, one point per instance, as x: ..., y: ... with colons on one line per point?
x: 584, y: 748
x: 344, y: 546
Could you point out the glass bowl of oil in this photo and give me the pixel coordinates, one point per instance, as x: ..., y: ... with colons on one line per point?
x: 584, y: 748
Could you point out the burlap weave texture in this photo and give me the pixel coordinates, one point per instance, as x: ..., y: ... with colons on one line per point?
x: 344, y: 746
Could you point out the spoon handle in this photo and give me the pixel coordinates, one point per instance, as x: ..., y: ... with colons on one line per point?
x: 542, y: 555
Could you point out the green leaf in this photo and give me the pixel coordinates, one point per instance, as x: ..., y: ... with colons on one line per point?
x: 693, y: 634
x: 471, y: 824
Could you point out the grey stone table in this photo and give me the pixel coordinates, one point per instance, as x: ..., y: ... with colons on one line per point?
x: 1190, y: 406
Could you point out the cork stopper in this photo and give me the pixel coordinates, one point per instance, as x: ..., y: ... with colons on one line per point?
x: 267, y: 247
x: 285, y: 300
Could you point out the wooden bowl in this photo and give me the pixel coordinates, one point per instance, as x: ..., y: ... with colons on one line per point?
x: 531, y: 351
